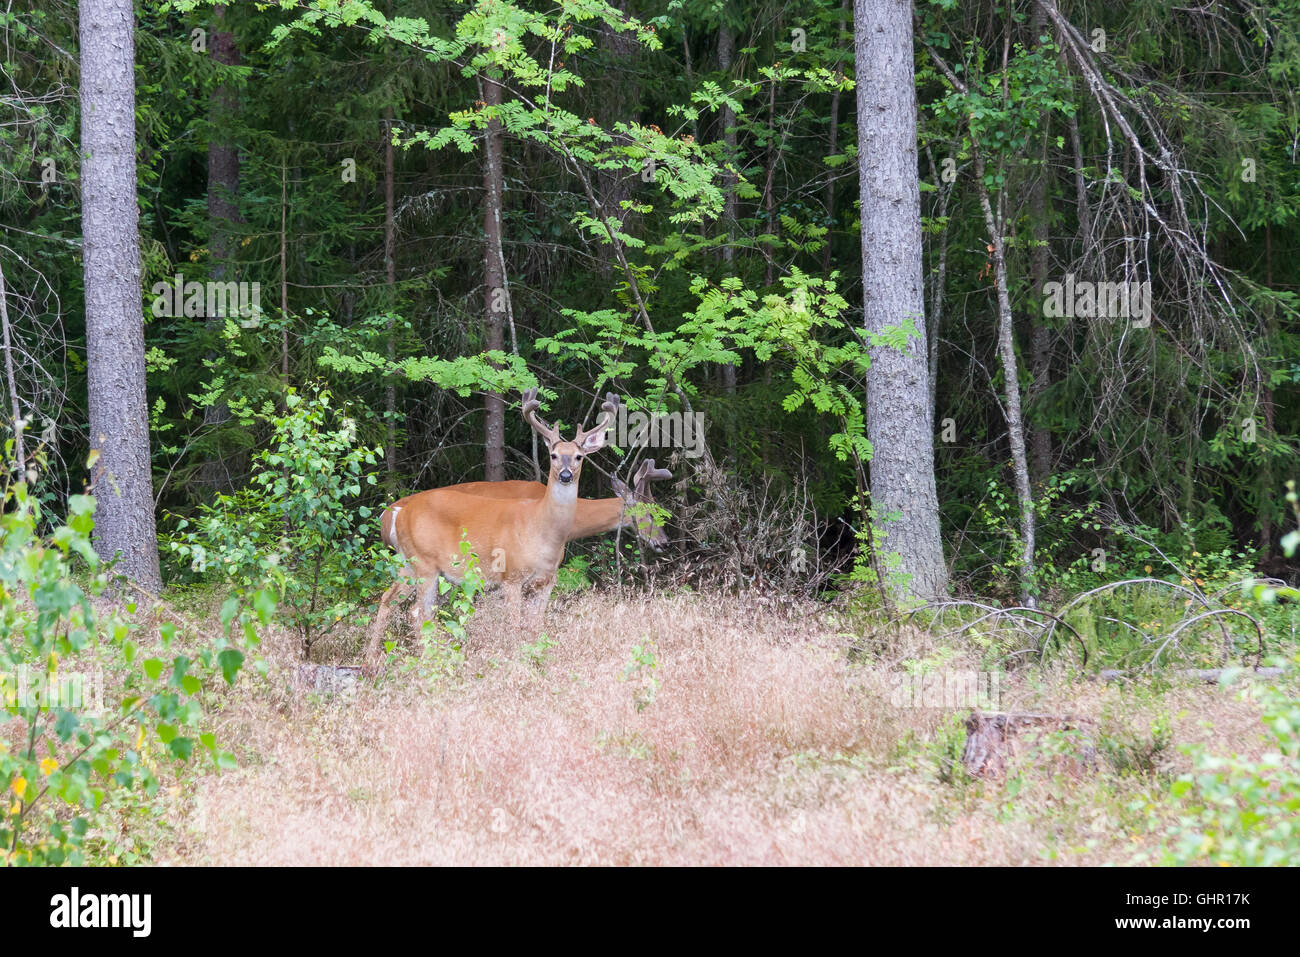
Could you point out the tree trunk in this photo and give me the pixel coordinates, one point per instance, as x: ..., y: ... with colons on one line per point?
x: 769, y: 200
x: 834, y: 149
x: 284, y: 271
x: 726, y: 51
x: 11, y: 382
x: 223, y: 215
x: 390, y: 280
x: 898, y: 413
x: 119, y: 417
x: 994, y: 222
x: 1040, y: 334
x: 1011, y: 385
x: 938, y: 288
x: 1267, y: 488
x: 494, y: 431
x: 1083, y: 212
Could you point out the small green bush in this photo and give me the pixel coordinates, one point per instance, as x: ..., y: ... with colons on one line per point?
x: 76, y: 761
x: 298, y: 526
x: 1243, y: 811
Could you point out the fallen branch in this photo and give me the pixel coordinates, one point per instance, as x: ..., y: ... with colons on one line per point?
x: 1208, y: 675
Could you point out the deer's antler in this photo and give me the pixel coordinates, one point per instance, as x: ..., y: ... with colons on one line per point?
x: 648, y: 473
x: 594, y: 438
x: 639, y: 492
x: 531, y: 405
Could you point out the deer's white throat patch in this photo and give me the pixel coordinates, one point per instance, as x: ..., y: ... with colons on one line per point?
x: 565, y: 494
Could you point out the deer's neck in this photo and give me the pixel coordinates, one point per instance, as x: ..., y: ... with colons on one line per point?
x: 555, y: 512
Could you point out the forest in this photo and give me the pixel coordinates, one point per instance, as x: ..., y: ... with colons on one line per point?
x: 650, y: 432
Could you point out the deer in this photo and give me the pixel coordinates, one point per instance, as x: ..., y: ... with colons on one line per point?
x: 520, y: 535
x: 593, y: 516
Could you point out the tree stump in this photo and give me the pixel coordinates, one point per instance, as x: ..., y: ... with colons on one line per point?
x: 992, y: 739
x: 327, y: 680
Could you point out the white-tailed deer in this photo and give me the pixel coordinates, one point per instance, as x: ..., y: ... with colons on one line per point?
x: 519, y: 541
x: 593, y: 516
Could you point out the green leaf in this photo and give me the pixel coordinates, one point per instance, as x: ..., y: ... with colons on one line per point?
x: 230, y: 660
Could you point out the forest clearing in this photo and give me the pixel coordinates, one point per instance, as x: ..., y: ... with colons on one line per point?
x: 686, y: 730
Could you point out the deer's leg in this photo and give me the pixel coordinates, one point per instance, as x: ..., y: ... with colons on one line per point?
x: 514, y: 600
x: 375, y: 644
x: 430, y: 597
x: 537, y: 604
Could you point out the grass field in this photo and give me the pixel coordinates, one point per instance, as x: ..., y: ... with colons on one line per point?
x: 680, y: 730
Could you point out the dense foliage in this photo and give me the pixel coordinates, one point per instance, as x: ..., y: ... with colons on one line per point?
x: 101, y: 700
x: 667, y: 216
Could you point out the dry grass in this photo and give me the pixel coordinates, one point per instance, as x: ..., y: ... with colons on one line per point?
x: 762, y: 743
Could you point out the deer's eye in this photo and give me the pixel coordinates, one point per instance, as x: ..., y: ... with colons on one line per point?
x: 554, y: 456
x: 577, y: 458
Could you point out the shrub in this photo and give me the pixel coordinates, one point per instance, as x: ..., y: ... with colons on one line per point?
x: 298, y: 525
x: 1238, y: 810
x: 70, y: 760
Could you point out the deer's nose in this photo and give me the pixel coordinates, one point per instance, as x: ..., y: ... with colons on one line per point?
x: 566, y: 476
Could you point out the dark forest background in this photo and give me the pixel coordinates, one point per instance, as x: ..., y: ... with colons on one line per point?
x: 1144, y: 141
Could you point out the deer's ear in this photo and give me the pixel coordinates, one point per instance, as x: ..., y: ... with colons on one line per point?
x: 593, y: 441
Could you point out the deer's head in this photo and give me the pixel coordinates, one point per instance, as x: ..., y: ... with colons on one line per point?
x: 647, y: 529
x: 566, y: 457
